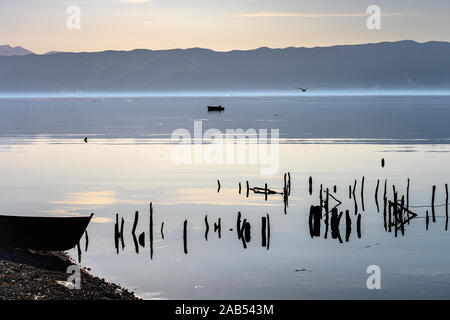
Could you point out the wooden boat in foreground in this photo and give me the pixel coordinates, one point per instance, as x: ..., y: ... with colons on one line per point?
x: 216, y: 108
x: 42, y: 233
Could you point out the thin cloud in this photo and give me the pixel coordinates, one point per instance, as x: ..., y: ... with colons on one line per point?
x: 313, y: 15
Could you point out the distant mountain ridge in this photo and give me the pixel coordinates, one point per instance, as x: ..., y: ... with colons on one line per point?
x: 7, y: 50
x: 386, y: 65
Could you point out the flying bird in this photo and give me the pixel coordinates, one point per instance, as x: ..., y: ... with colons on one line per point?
x: 303, y: 89
x: 85, y: 139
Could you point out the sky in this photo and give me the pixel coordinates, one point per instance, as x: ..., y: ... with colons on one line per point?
x: 41, y: 25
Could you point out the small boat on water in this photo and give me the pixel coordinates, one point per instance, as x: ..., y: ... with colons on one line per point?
x: 216, y: 108
x: 42, y: 233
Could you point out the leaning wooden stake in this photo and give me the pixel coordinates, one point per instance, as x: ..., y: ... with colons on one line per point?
x: 432, y: 204
x: 87, y: 241
x: 407, y: 201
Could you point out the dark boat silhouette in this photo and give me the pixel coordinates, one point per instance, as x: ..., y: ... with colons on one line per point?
x: 42, y: 233
x: 216, y: 108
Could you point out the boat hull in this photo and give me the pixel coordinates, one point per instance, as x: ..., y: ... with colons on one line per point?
x: 216, y: 108
x: 42, y: 233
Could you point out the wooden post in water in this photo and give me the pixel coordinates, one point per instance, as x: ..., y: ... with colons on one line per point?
x: 239, y: 188
x: 151, y: 230
x: 79, y: 252
x: 248, y: 188
x: 185, y: 237
x: 427, y: 220
x: 122, y: 239
x: 268, y: 231
x: 116, y: 233
x: 349, y: 191
x: 310, y: 185
x: 432, y: 204
x: 289, y: 183
x: 376, y: 195
x: 265, y: 191
x: 407, y: 195
x: 238, y: 225
x: 218, y: 186
x: 362, y: 193
x: 385, y: 204
x: 133, y: 232
x: 395, y: 209
x: 207, y: 227
x: 400, y: 215
x: 241, y: 232
x: 358, y: 226
x: 407, y: 202
x: 162, y: 230
x: 446, y: 207
x: 136, y: 219
x: 327, y: 216
x: 263, y: 231
x: 348, y: 225
x: 220, y: 228
x: 86, y: 237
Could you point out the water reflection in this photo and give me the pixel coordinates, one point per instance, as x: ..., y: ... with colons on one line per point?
x: 326, y: 219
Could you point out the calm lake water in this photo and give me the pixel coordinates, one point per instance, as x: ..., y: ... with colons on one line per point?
x: 47, y: 169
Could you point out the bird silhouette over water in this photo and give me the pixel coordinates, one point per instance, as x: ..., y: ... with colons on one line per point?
x: 86, y: 139
x: 303, y: 89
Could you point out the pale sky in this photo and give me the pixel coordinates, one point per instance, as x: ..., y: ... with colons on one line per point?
x: 40, y: 25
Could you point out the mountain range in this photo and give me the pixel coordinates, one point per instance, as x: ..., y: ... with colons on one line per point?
x: 7, y: 50
x: 376, y: 66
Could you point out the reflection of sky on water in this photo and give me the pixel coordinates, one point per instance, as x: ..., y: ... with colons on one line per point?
x: 78, y: 178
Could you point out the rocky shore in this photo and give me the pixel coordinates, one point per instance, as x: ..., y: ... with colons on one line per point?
x: 34, y: 275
